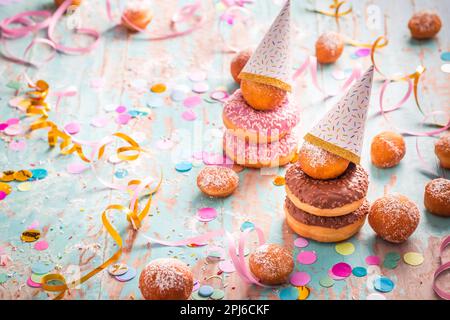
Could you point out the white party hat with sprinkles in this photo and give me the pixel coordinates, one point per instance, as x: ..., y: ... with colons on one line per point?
x: 341, y: 130
x: 271, y: 62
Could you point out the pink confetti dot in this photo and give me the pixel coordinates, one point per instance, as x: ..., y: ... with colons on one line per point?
x: 99, y: 122
x: 219, y: 95
x: 333, y: 276
x: 189, y: 115
x: 227, y: 266
x: 197, y: 76
x: 3, y: 126
x: 33, y: 284
x: 363, y: 52
x: 72, y: 128
x: 373, y: 260
x: 13, y: 130
x: 341, y: 269
x: 123, y: 118
x: 2, y: 195
x: 206, y: 214
x: 12, y: 121
x: 200, y: 87
x: 41, y: 245
x: 192, y: 101
x: 76, y: 167
x: 121, y: 109
x: 17, y: 145
x: 301, y: 242
x: 300, y: 279
x: 307, y: 257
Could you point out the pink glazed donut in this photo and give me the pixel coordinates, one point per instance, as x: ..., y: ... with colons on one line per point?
x: 254, y: 155
x: 259, y: 126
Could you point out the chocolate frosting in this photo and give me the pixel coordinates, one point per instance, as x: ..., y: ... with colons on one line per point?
x: 328, y: 222
x: 328, y: 194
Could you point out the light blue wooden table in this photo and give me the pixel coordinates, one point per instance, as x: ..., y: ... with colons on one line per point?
x: 67, y: 207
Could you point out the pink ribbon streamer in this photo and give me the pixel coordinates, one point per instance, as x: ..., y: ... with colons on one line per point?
x: 445, y: 266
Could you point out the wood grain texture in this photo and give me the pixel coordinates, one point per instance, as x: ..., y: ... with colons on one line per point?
x: 68, y: 207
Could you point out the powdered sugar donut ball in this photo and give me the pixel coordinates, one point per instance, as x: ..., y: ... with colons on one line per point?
x: 271, y: 264
x: 216, y: 181
x: 166, y: 279
x: 424, y: 24
x: 329, y: 47
x: 387, y: 149
x: 138, y: 14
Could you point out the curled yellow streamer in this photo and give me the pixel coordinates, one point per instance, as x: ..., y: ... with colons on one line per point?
x: 38, y: 107
x: 336, y: 13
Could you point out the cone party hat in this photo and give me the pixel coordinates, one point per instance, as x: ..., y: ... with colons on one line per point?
x: 271, y: 62
x: 341, y: 130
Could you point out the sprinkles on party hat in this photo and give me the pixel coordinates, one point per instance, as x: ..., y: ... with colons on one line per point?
x: 341, y: 130
x: 271, y: 62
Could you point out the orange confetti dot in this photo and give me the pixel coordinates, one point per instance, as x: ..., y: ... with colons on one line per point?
x: 158, y: 88
x: 279, y: 181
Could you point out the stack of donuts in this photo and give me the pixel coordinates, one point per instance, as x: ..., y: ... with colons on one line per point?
x: 259, y: 120
x: 326, y: 195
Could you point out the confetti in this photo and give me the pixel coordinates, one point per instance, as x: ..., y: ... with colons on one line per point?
x: 200, y: 87
x: 341, y: 269
x: 445, y: 56
x: 363, y: 52
x: 123, y: 118
x: 18, y: 145
x: 77, y: 167
x: 33, y: 284
x: 326, y: 282
x: 3, y: 195
x: 12, y: 121
x: 445, y: 68
x: 121, y: 109
x: 227, y: 266
x: 307, y: 257
x: 179, y: 93
x: 197, y: 76
x: 22, y: 175
x: 373, y: 260
x: 6, y: 188
x: 183, y: 166
x: 334, y: 277
x: 196, y: 296
x: 205, y: 291
x: 137, y: 113
x: 72, y: 128
x: 301, y: 242
x: 289, y: 293
x: 99, y: 122
x: 158, y: 88
x: 279, y: 181
x: 218, y: 95
x: 247, y: 225
x: 206, y: 214
x: 25, y: 186
x: 383, y: 284
x: 392, y: 256
x: 164, y: 144
x: 359, y: 272
x: 218, y: 294
x: 303, y: 293
x: 3, y: 126
x: 41, y: 245
x: 189, y: 115
x: 413, y: 258
x: 13, y: 130
x: 42, y: 268
x: 390, y: 264
x: 38, y: 174
x: 191, y: 102
x: 155, y: 102
x: 345, y: 248
x: 37, y: 277
x: 121, y: 173
x: 30, y: 235
x: 300, y: 279
x: 117, y: 269
x: 129, y: 275
x: 376, y: 296
x: 3, y: 278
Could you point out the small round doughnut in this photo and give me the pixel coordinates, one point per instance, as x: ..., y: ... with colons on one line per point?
x: 437, y: 197
x: 259, y: 155
x: 136, y: 15
x: 319, y: 163
x: 271, y: 264
x: 442, y: 150
x: 166, y: 279
x: 387, y: 149
x: 217, y: 181
x: 394, y: 218
x: 325, y: 229
x: 329, y: 47
x: 74, y: 2
x: 259, y: 126
x: 262, y: 96
x: 424, y: 24
x: 238, y: 63
x: 327, y: 198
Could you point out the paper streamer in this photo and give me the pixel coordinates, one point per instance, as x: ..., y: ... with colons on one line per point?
x: 229, y: 16
x: 444, y: 267
x: 336, y: 6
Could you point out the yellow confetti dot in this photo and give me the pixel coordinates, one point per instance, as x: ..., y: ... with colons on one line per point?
x: 22, y: 175
x: 31, y: 235
x: 158, y: 88
x: 345, y: 248
x: 279, y: 181
x: 6, y: 188
x: 26, y: 186
x: 413, y: 258
x: 7, y: 176
x: 303, y: 293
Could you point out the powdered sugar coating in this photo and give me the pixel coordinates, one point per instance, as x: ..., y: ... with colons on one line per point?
x: 271, y: 263
x: 166, y: 279
x: 394, y: 218
x: 317, y: 156
x: 283, y: 119
x: 217, y: 180
x: 424, y: 24
x: 437, y: 197
x: 331, y: 41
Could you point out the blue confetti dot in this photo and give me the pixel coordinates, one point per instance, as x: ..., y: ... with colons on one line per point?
x: 359, y: 272
x: 178, y: 95
x: 38, y: 174
x: 289, y: 293
x: 205, y: 291
x: 42, y: 268
x: 183, y: 166
x: 121, y: 173
x: 130, y: 274
x: 137, y: 113
x: 247, y: 225
x: 445, y: 56
x: 155, y: 102
x: 383, y: 284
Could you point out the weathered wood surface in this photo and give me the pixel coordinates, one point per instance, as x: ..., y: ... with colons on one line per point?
x: 68, y: 207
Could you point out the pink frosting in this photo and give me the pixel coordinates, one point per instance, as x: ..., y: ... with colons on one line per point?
x: 238, y: 112
x: 254, y: 152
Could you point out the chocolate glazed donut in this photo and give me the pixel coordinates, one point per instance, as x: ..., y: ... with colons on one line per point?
x: 327, y: 198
